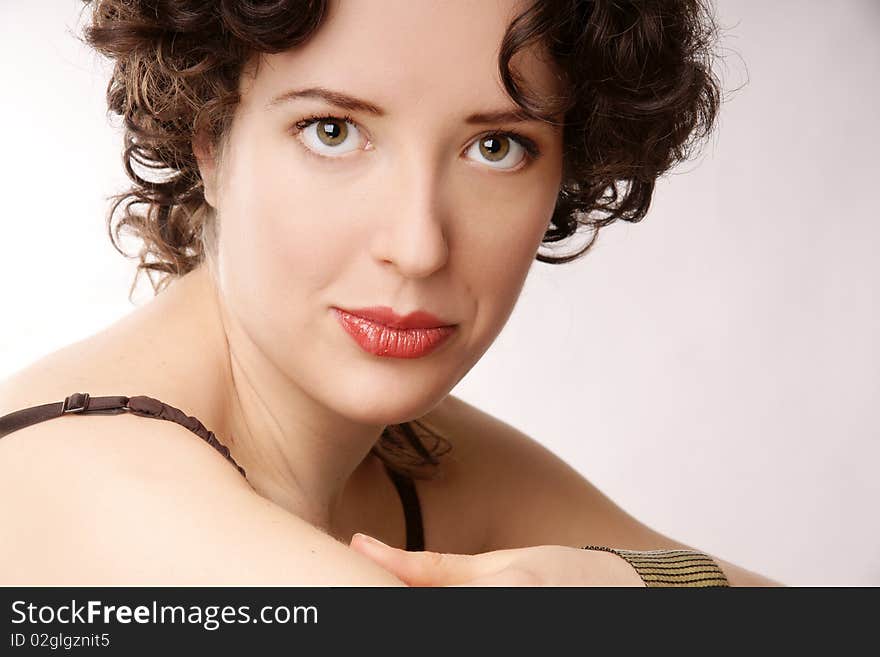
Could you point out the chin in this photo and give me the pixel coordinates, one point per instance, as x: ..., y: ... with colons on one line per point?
x: 389, y: 406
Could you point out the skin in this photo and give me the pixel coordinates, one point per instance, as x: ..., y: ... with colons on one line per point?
x: 411, y: 215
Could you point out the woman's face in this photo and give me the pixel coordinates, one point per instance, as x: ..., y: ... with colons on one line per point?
x: 413, y: 207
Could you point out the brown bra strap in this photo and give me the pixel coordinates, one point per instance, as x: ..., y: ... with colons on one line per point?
x: 82, y: 404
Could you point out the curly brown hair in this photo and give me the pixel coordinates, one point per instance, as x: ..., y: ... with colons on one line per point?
x: 640, y: 93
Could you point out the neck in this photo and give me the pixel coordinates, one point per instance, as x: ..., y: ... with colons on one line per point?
x: 297, y: 452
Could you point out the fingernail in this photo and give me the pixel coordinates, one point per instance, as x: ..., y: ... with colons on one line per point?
x: 370, y: 539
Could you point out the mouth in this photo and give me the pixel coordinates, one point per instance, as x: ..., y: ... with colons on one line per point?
x: 381, y: 332
x: 384, y: 315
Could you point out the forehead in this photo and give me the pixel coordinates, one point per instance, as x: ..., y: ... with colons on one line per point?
x: 428, y: 54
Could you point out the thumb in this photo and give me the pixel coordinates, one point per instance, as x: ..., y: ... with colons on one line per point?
x: 424, y: 568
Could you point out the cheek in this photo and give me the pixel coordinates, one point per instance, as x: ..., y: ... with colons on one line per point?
x: 276, y: 263
x: 285, y: 238
x: 497, y: 250
x: 500, y: 244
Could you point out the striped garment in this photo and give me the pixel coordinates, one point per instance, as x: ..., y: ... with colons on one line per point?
x: 671, y: 567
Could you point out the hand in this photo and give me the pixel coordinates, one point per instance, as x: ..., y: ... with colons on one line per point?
x: 539, y: 565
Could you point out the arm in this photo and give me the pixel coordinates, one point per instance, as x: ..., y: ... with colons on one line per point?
x: 535, y: 498
x: 177, y: 516
x: 564, y: 505
x: 579, y: 514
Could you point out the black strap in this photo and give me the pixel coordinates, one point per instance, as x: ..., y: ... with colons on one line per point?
x: 415, y: 534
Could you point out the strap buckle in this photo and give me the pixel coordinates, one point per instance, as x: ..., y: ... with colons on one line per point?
x: 75, y: 403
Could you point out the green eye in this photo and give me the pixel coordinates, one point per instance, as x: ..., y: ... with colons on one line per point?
x: 505, y: 146
x: 330, y: 133
x: 495, y: 149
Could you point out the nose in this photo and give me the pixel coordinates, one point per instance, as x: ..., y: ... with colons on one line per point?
x: 413, y: 236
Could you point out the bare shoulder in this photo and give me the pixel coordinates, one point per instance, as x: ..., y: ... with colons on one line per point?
x: 520, y: 482
x: 528, y: 495
x: 120, y: 500
x: 509, y: 481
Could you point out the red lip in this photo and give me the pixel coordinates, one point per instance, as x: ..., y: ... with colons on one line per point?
x: 381, y: 332
x: 418, y: 319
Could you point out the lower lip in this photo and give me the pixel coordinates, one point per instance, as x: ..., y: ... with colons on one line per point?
x: 381, y: 340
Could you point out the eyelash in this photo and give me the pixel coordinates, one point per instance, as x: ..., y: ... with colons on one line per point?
x: 531, y: 148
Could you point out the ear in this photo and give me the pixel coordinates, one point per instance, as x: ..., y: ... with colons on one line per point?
x: 205, y: 158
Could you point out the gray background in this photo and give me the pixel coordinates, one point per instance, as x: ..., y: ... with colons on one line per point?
x: 713, y: 369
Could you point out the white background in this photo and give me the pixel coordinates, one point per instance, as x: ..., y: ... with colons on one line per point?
x: 713, y: 369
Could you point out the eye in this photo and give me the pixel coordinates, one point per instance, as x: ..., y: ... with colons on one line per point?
x: 330, y: 135
x: 504, y: 147
x: 328, y: 139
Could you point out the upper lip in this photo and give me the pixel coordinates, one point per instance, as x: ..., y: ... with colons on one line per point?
x: 386, y: 316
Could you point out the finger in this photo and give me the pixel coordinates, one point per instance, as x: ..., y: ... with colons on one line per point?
x: 427, y: 568
x: 507, y: 577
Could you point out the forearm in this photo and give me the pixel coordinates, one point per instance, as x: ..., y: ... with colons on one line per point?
x: 682, y: 566
x: 738, y: 576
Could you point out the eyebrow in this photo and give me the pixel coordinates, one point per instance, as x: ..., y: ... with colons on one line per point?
x: 353, y: 104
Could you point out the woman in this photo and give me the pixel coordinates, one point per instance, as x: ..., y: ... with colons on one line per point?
x: 351, y: 196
